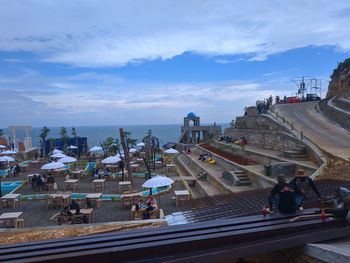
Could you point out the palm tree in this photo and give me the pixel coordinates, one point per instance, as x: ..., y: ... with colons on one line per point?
x: 64, y: 137
x: 2, y: 132
x: 43, y: 134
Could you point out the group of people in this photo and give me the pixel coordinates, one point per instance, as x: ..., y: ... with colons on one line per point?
x: 205, y: 157
x: 150, y: 205
x: 43, y: 182
x: 68, y: 215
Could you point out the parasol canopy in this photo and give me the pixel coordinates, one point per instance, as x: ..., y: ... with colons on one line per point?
x: 158, y: 181
x: 52, y: 166
x: 58, y: 155
x: 7, y: 159
x: 8, y: 152
x: 171, y: 151
x: 111, y: 159
x: 95, y: 149
x: 67, y: 159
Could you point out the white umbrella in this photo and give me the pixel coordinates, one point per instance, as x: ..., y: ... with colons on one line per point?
x: 67, y: 159
x: 140, y: 144
x: 52, y: 166
x: 72, y: 147
x: 132, y: 150
x: 56, y: 151
x: 95, y: 149
x: 8, y: 152
x: 171, y: 151
x: 158, y: 181
x: 6, y: 159
x: 111, y: 159
x: 58, y: 155
x: 2, y: 146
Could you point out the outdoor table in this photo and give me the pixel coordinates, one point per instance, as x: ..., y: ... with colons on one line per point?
x: 66, y: 199
x: 10, y: 199
x: 77, y: 174
x: 60, y: 171
x: 96, y: 197
x: 158, y: 164
x: 170, y: 168
x: 34, y: 162
x: 87, y: 212
x: 135, y: 167
x: 13, y: 218
x: 123, y: 185
x: 98, y: 184
x: 181, y: 194
x: 112, y: 168
x: 69, y: 183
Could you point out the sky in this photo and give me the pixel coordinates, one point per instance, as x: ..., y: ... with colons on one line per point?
x: 66, y: 62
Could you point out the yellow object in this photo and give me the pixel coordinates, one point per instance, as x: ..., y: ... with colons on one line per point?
x: 212, y: 162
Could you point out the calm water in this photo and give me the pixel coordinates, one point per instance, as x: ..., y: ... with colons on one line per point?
x: 97, y: 134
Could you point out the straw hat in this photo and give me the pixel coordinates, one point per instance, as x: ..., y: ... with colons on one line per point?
x: 301, y: 173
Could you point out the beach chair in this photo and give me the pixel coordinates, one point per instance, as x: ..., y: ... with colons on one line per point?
x: 90, y: 167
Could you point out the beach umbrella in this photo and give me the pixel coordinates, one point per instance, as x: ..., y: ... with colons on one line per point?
x: 9, y: 152
x: 56, y: 151
x: 140, y: 144
x: 2, y: 146
x: 67, y: 159
x: 111, y: 159
x: 52, y: 166
x: 72, y: 147
x: 58, y: 155
x: 158, y: 181
x: 95, y: 149
x: 171, y: 151
x: 132, y: 150
x: 7, y: 159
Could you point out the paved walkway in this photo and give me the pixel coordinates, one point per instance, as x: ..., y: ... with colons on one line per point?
x: 328, y: 135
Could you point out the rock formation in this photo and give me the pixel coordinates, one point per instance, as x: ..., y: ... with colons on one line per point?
x: 340, y: 81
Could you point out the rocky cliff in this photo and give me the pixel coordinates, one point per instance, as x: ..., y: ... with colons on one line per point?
x: 340, y: 81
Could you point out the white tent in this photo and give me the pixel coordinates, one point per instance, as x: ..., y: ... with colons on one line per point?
x: 7, y: 159
x: 171, y: 151
x: 58, y: 155
x: 158, y: 181
x: 67, y: 159
x: 52, y: 166
x: 111, y: 159
x: 8, y: 152
x: 95, y: 149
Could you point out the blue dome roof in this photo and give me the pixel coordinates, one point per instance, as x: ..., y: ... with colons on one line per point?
x: 191, y: 115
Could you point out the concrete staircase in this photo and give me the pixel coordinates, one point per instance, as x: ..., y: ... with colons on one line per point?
x: 296, y: 153
x: 238, y: 178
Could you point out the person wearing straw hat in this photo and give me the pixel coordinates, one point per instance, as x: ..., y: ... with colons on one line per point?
x: 304, y: 183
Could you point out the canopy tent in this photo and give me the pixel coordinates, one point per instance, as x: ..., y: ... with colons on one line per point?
x: 67, y: 159
x: 58, y: 155
x: 171, y: 151
x: 52, y: 166
x: 111, y: 160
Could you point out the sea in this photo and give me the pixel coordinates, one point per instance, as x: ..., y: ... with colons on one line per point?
x: 97, y: 134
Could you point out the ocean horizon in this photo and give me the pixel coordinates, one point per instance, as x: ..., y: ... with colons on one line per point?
x: 97, y: 134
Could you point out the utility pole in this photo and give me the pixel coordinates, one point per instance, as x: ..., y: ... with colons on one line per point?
x: 126, y: 153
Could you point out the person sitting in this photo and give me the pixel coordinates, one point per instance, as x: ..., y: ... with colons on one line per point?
x: 107, y: 172
x: 282, y: 196
x: 34, y: 181
x: 152, y: 201
x: 75, y: 206
x: 146, y: 214
x: 304, y: 183
x: 97, y: 174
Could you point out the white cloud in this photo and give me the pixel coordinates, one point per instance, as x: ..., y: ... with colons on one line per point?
x: 114, y: 33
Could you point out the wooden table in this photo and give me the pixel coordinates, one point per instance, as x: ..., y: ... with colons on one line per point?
x: 158, y: 164
x: 13, y: 218
x: 78, y: 173
x: 87, y: 212
x: 10, y: 199
x: 170, y: 168
x: 181, y: 194
x: 134, y: 167
x: 123, y: 185
x: 69, y: 183
x: 96, y: 197
x: 98, y: 184
x: 60, y: 170
x: 66, y: 199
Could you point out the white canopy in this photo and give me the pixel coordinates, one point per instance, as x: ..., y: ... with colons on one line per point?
x: 171, y: 151
x: 140, y: 144
x: 2, y: 146
x: 58, y: 155
x: 7, y: 159
x: 52, y: 166
x: 158, y: 181
x: 72, y: 147
x: 8, y: 152
x: 132, y: 150
x: 95, y: 149
x: 56, y: 151
x: 111, y: 159
x: 67, y: 159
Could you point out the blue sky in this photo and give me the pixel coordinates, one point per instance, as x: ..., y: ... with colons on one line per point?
x: 151, y: 62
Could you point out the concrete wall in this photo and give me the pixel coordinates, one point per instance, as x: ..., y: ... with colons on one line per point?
x: 257, y: 122
x: 337, y: 114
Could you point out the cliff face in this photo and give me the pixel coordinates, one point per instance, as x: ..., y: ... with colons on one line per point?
x: 340, y: 81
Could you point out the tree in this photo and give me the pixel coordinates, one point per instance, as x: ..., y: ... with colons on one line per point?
x: 151, y: 149
x: 64, y: 137
x: 74, y: 134
x: 43, y: 134
x: 2, y: 132
x: 128, y: 140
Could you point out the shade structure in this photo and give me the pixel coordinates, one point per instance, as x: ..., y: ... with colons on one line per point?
x: 52, y: 166
x: 67, y: 159
x: 95, y: 149
x: 72, y: 147
x: 111, y: 159
x: 140, y: 144
x: 8, y: 152
x: 58, y: 155
x: 171, y: 151
x: 56, y: 151
x: 158, y: 181
x: 132, y: 150
x: 2, y: 146
x: 6, y: 159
